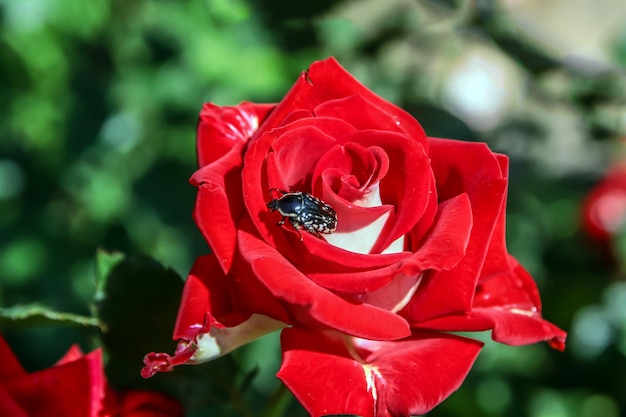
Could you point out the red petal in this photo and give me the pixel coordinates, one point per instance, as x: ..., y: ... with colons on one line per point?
x: 509, y: 304
x: 74, y: 353
x: 328, y: 257
x: 398, y: 378
x: 162, y: 362
x: 206, y: 303
x: 327, y: 80
x: 319, y: 257
x: 419, y: 373
x: 508, y: 327
x: 445, y: 246
x: 320, y: 372
x: 462, y: 167
x: 285, y: 163
x: 442, y: 249
x: 406, y: 185
x: 497, y: 259
x: 271, y: 162
x: 72, y: 389
x: 219, y: 203
x: 360, y: 113
x: 8, y: 406
x: 356, y: 168
x: 138, y: 403
x: 511, y: 289
x: 210, y: 342
x: 219, y: 128
x: 312, y: 305
x: 11, y: 367
x: 206, y: 291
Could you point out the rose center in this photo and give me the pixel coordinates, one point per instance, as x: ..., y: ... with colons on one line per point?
x: 348, y: 178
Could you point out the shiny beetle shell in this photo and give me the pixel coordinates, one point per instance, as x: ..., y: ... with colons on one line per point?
x: 304, y: 212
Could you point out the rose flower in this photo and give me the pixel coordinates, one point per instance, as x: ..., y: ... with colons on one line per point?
x: 418, y: 250
x: 604, y: 208
x: 74, y: 387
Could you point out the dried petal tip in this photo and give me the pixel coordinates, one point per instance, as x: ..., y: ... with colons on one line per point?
x: 558, y: 342
x: 162, y: 362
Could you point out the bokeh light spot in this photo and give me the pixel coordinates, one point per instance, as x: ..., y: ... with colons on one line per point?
x: 599, y: 405
x: 547, y: 404
x: 105, y: 197
x: 21, y: 261
x: 11, y: 179
x: 121, y: 131
x: 25, y: 15
x: 615, y: 303
x: 493, y: 395
x: 591, y: 332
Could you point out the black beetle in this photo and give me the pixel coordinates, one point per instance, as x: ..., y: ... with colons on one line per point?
x: 304, y: 212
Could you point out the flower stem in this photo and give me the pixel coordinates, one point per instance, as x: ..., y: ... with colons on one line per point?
x: 279, y: 401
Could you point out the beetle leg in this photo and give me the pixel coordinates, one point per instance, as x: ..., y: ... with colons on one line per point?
x: 297, y: 226
x: 314, y: 232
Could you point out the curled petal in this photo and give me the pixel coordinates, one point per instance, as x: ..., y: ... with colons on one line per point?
x: 210, y: 342
x: 270, y: 162
x: 208, y: 324
x: 509, y: 305
x: 221, y: 127
x: 219, y: 203
x: 360, y: 113
x: 513, y: 289
x: 497, y: 259
x: 311, y: 305
x: 327, y: 80
x: 471, y: 168
x: 510, y: 327
x: 162, y: 362
x: 222, y: 134
x: 206, y: 292
x: 285, y: 165
x: 442, y: 249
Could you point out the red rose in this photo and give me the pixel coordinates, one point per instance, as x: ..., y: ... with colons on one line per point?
x: 604, y: 209
x: 74, y: 387
x: 419, y: 249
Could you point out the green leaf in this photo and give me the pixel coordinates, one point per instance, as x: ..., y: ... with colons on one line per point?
x: 105, y: 261
x: 34, y: 315
x: 138, y: 300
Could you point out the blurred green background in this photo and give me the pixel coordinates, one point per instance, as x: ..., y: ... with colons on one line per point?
x: 99, y: 102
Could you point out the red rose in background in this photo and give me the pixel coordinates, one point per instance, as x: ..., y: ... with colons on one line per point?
x: 74, y: 387
x: 419, y: 250
x: 604, y: 209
